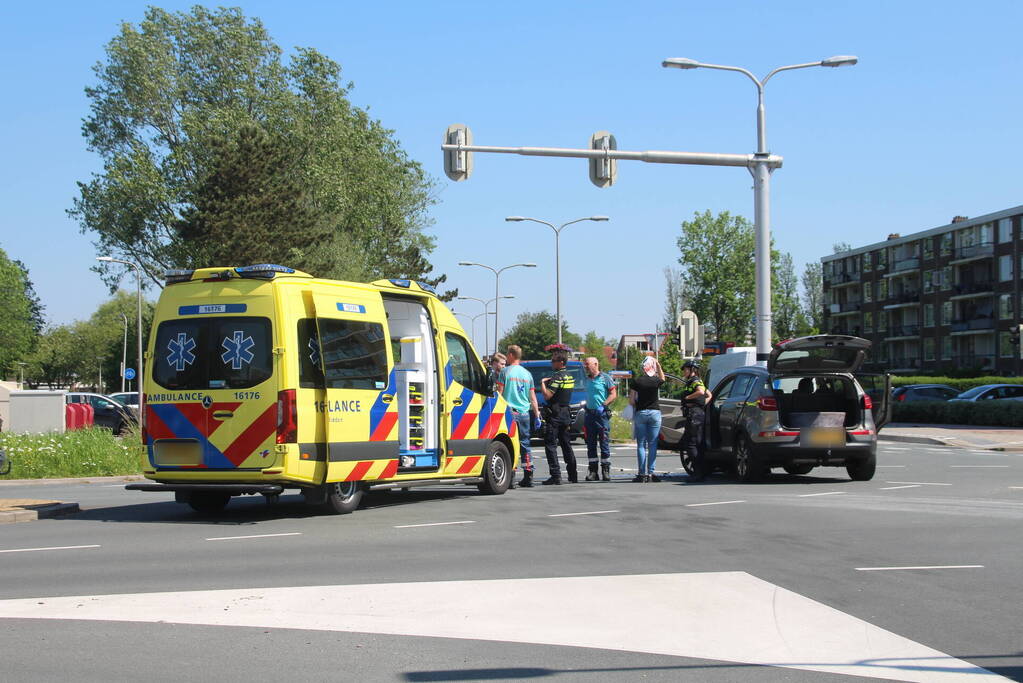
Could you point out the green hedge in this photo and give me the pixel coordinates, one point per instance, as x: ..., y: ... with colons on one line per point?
x: 993, y: 413
x: 960, y: 383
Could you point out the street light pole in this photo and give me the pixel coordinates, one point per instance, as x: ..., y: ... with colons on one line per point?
x: 124, y: 350
x: 486, y: 310
x: 497, y: 289
x: 761, y: 188
x: 557, y: 253
x: 138, y: 276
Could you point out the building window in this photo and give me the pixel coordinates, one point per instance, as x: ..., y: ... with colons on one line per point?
x: 946, y: 278
x: 867, y: 292
x: 986, y: 233
x: 1004, y: 268
x: 928, y: 315
x: 928, y: 348
x: 867, y: 263
x: 1005, y: 307
x: 882, y: 290
x: 946, y: 313
x: 882, y: 321
x: 868, y: 322
x: 946, y: 244
x: 882, y: 259
x: 946, y: 348
x: 928, y: 283
x: 1004, y: 230
x: 1006, y: 349
x: 928, y: 248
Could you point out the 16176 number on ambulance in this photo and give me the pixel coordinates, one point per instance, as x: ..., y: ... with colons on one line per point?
x: 263, y: 378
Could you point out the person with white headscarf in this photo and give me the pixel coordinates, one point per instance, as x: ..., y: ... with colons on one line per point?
x: 646, y: 421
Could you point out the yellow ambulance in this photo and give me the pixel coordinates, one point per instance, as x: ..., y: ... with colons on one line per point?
x: 263, y: 378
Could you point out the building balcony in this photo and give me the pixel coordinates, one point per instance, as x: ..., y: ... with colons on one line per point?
x: 974, y: 361
x: 904, y: 266
x: 973, y: 326
x: 903, y: 332
x: 904, y: 298
x: 969, y: 290
x: 903, y: 363
x: 851, y: 331
x: 848, y: 308
x: 972, y: 252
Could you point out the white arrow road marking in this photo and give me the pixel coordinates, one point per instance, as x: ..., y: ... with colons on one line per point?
x: 725, y: 616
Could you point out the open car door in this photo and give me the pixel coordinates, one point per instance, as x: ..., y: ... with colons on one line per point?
x: 879, y: 388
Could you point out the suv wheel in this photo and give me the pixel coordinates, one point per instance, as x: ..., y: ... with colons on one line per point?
x: 862, y: 470
x: 748, y: 464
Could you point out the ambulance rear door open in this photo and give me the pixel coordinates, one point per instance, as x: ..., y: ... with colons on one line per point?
x: 359, y: 411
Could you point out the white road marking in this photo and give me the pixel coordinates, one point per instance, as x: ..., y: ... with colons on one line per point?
x: 235, y: 538
x: 919, y: 483
x: 946, y: 566
x: 1016, y: 487
x: 61, y: 547
x: 721, y: 502
x: 891, y: 466
x: 575, y: 514
x: 827, y: 493
x: 413, y: 526
x: 895, y: 448
x: 894, y: 488
x: 988, y: 466
x: 724, y: 616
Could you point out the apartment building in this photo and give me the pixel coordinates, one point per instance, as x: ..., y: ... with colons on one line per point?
x: 937, y: 299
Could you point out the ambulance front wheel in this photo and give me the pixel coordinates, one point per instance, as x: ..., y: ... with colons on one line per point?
x: 343, y: 497
x: 497, y: 472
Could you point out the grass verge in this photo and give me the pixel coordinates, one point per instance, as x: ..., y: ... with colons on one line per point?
x: 91, y: 452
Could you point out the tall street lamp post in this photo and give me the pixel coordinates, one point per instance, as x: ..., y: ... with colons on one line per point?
x: 124, y: 350
x: 557, y: 253
x: 486, y: 309
x: 497, y: 288
x: 761, y: 188
x: 138, y: 277
x: 472, y: 322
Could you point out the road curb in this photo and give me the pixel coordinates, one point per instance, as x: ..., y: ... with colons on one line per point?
x: 911, y: 439
x: 31, y: 513
x: 71, y: 480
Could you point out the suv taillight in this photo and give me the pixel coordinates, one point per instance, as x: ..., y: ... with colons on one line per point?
x: 287, y: 417
x: 767, y: 403
x: 867, y: 403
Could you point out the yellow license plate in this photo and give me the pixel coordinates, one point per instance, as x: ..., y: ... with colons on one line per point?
x: 177, y: 452
x: 824, y: 438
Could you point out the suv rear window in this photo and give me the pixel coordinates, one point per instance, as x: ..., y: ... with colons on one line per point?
x: 213, y: 353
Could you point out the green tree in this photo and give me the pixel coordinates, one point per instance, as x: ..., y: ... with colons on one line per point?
x: 593, y: 345
x: 718, y: 278
x: 536, y: 331
x: 787, y: 312
x: 674, y: 302
x: 177, y: 88
x: 20, y: 315
x: 813, y: 296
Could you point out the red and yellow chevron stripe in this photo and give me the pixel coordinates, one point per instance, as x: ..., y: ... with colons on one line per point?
x: 463, y: 465
x: 362, y: 470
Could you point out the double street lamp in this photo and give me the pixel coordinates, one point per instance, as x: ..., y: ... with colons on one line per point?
x: 138, y: 277
x: 486, y: 309
x: 557, y: 253
x: 761, y: 188
x: 497, y: 288
x: 472, y: 322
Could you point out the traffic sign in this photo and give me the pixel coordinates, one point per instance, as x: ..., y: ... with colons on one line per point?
x: 129, y: 373
x: 458, y: 163
x: 603, y: 171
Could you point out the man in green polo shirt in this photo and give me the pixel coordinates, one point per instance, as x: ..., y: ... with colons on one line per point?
x: 515, y: 384
x: 600, y: 392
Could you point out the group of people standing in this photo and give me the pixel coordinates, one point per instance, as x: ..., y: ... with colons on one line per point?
x: 515, y: 384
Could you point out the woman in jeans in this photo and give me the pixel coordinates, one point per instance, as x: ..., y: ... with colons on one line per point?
x: 647, y: 417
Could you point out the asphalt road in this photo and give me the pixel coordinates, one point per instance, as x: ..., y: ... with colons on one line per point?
x: 912, y: 576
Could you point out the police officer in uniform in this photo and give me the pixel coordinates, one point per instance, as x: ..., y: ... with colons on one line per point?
x: 694, y: 396
x: 557, y: 389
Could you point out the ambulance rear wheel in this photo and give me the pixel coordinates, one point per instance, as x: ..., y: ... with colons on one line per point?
x: 343, y: 497
x: 497, y: 472
x: 208, y: 502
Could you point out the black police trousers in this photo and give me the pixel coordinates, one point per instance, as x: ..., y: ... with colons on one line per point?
x: 559, y: 419
x: 692, y: 439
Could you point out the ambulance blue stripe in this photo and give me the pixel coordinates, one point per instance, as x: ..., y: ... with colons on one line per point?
x: 486, y: 410
x: 458, y: 411
x: 376, y: 412
x: 183, y: 429
x: 448, y: 377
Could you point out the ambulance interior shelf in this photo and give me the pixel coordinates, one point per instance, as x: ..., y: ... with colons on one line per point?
x: 416, y: 386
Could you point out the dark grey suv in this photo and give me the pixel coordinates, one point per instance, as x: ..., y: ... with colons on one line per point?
x: 806, y: 409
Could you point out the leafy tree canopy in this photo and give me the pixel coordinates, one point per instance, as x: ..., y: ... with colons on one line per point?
x: 183, y: 98
x: 21, y: 315
x: 535, y: 331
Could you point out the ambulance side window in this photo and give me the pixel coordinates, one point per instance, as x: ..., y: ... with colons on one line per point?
x: 465, y: 369
x: 310, y: 371
x: 354, y: 354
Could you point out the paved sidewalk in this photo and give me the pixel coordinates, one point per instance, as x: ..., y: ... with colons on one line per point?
x: 31, y: 509
x: 961, y: 436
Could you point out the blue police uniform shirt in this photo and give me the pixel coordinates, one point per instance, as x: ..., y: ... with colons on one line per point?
x: 597, y: 390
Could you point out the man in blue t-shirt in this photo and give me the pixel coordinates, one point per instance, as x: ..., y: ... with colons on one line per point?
x: 515, y: 385
x: 600, y: 393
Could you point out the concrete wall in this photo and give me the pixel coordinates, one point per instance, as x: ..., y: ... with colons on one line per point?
x: 5, y: 403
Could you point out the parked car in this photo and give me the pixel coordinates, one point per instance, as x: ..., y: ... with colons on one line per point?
x: 128, y: 399
x: 108, y: 412
x: 908, y: 393
x: 542, y: 368
x: 992, y: 392
x: 806, y: 409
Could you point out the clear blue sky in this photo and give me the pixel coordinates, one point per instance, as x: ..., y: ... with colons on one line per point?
x: 927, y: 126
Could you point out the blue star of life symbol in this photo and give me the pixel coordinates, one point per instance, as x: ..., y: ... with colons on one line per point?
x: 314, y: 351
x: 236, y: 350
x: 180, y: 351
